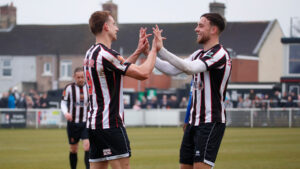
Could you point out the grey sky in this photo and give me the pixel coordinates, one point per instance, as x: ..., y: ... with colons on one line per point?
x: 153, y: 11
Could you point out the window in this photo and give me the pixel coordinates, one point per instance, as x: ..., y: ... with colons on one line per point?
x: 6, y: 68
x: 294, y: 59
x: 47, y: 69
x: 66, y: 70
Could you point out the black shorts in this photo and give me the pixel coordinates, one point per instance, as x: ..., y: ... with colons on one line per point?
x: 201, y: 143
x: 76, y: 131
x: 108, y: 144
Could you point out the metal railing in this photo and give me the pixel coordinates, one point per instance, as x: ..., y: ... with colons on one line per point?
x: 236, y: 117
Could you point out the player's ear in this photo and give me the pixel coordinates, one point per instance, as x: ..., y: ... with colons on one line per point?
x: 105, y: 27
x: 214, y: 30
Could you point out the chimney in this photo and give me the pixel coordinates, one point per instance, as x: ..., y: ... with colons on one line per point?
x: 8, y: 17
x: 216, y: 7
x: 113, y: 8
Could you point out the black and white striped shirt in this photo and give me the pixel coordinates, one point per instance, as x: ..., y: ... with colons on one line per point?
x: 104, y: 69
x: 76, y: 98
x: 209, y: 88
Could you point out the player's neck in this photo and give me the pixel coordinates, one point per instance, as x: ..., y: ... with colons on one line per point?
x: 211, y: 43
x: 105, y: 40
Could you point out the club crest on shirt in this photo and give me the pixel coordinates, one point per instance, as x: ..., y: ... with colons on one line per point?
x: 209, y: 54
x: 64, y: 93
x: 121, y: 59
x: 106, y: 152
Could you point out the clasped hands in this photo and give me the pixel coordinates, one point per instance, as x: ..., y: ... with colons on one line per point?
x: 143, y: 44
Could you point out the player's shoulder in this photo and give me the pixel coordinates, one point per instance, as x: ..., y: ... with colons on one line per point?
x: 85, y: 85
x: 69, y: 85
x: 217, y: 51
x: 109, y: 51
x: 195, y: 53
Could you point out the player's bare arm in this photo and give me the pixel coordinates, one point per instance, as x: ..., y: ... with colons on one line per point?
x: 143, y: 46
x: 143, y: 71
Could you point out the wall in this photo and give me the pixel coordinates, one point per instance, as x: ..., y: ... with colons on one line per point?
x: 44, y: 82
x: 244, y: 69
x: 23, y: 70
x: 271, y: 56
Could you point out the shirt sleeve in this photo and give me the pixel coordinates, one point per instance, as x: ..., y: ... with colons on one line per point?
x: 66, y: 93
x: 65, y: 99
x: 189, y: 66
x: 64, y: 107
x: 166, y: 68
x: 214, y: 60
x: 114, y: 61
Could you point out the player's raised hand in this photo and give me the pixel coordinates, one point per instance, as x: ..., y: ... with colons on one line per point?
x: 158, y: 39
x: 143, y: 44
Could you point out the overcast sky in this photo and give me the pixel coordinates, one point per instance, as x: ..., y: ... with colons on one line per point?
x: 153, y: 11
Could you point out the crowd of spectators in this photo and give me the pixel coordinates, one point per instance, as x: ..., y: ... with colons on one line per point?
x: 286, y: 100
x: 250, y: 100
x: 165, y: 102
x: 33, y: 99
x: 13, y: 99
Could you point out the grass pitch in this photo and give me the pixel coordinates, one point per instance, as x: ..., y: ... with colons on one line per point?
x: 155, y: 148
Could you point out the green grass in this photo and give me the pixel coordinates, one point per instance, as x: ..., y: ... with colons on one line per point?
x: 155, y: 148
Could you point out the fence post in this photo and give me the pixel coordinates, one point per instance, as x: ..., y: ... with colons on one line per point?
x: 144, y: 118
x: 36, y: 119
x: 251, y: 118
x: 290, y: 117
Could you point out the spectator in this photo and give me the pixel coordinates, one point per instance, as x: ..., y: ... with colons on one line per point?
x: 16, y: 93
x: 44, y: 102
x: 29, y: 102
x: 265, y: 104
x: 284, y: 96
x: 126, y: 104
x: 294, y: 95
x: 228, y: 103
x: 247, y: 103
x: 164, y: 102
x: 252, y: 95
x: 36, y: 101
x: 183, y: 103
x: 240, y: 102
x: 173, y: 102
x: 290, y: 102
x: 11, y: 100
x: 152, y: 104
x: 144, y: 102
x: 137, y: 105
x: 257, y: 102
x: 276, y: 100
x: 21, y: 103
x: 4, y: 100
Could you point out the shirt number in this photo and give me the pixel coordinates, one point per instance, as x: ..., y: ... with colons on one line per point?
x: 89, y: 82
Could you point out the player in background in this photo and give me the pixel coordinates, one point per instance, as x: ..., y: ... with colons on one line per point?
x: 188, y: 108
x: 75, y: 105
